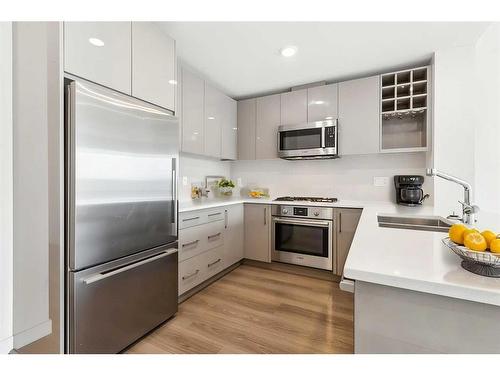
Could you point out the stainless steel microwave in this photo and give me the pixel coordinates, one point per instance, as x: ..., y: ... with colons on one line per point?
x: 314, y: 140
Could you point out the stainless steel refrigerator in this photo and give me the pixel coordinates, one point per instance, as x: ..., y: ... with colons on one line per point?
x: 121, y: 218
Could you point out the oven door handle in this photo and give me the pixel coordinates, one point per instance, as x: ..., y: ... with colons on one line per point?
x: 315, y: 223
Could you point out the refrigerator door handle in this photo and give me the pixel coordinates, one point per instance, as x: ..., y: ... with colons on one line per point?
x: 104, y: 275
x: 174, y: 190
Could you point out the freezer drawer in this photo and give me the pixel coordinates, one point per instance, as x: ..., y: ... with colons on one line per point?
x: 112, y: 305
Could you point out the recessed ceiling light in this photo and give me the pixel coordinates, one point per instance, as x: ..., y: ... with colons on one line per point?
x: 172, y: 82
x: 211, y: 118
x: 328, y: 117
x: 318, y: 102
x: 96, y: 42
x: 288, y: 51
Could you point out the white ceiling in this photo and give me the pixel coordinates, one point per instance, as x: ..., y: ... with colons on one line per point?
x: 243, y: 59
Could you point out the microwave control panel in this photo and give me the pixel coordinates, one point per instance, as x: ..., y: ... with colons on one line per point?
x: 330, y: 136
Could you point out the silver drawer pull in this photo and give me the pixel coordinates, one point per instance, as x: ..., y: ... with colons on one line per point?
x: 217, y: 261
x: 191, y: 218
x: 215, y: 214
x: 189, y: 276
x: 190, y: 243
x: 214, y: 235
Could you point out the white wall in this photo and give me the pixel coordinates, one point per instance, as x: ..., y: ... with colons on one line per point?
x: 453, y: 133
x: 487, y: 120
x: 195, y: 168
x: 348, y: 178
x: 31, y: 214
x: 6, y: 188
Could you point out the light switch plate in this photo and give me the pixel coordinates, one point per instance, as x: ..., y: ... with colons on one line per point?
x: 239, y: 182
x: 380, y: 181
x: 184, y: 180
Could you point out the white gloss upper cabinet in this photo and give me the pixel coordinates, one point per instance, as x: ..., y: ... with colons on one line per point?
x: 359, y: 116
x: 267, y: 122
x: 246, y: 129
x: 294, y: 107
x: 229, y: 150
x: 322, y: 103
x: 214, y: 117
x: 192, y: 112
x: 153, y: 65
x: 99, y: 52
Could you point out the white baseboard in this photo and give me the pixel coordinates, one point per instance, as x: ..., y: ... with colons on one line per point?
x: 6, y: 345
x: 32, y: 334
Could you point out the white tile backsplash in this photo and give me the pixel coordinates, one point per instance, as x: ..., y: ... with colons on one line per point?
x: 350, y: 177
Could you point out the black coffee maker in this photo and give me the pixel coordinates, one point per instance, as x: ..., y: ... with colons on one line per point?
x: 409, y: 190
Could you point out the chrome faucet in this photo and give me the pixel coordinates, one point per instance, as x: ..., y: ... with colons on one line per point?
x: 469, y: 210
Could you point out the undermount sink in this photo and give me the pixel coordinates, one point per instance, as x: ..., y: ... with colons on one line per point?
x: 432, y: 224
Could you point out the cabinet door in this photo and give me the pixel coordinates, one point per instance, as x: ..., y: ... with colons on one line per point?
x: 153, y: 65
x: 359, y: 116
x: 347, y: 222
x: 294, y: 107
x: 233, y: 241
x: 193, y: 93
x: 268, y: 115
x: 322, y: 103
x: 246, y: 129
x: 214, y: 102
x: 99, y: 52
x: 229, y: 149
x: 258, y: 232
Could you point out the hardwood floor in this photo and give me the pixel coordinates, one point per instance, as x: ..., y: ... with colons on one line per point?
x: 257, y: 310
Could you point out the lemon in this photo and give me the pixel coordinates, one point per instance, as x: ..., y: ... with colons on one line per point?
x: 495, y: 245
x: 488, y: 236
x: 456, y: 233
x: 474, y: 241
x: 469, y: 231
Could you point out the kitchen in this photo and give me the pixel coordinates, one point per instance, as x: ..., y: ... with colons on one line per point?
x: 176, y: 205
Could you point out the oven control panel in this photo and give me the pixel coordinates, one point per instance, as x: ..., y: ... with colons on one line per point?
x: 325, y: 213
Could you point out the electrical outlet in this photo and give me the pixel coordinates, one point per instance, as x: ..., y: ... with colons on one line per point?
x: 184, y: 180
x: 239, y: 182
x: 380, y: 181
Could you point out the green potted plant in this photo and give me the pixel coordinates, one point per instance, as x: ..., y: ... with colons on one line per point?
x: 226, y: 186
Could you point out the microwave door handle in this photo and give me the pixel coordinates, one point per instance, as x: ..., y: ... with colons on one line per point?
x: 323, y: 137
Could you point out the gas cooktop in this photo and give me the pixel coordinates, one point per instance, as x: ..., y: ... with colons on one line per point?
x: 307, y: 199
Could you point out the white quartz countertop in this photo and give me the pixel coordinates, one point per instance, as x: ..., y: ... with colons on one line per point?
x: 401, y: 258
x: 415, y: 260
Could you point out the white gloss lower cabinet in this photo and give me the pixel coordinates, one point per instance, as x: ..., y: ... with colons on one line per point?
x: 99, y: 52
x: 153, y: 65
x: 258, y: 232
x: 192, y: 112
x: 359, y: 116
x: 233, y: 240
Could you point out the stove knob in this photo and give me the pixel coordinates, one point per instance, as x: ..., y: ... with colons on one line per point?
x: 316, y: 213
x: 285, y: 211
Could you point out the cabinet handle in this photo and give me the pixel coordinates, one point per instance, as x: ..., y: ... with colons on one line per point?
x: 190, y: 243
x: 191, y: 218
x: 214, y: 214
x: 214, y: 235
x: 265, y: 215
x: 217, y: 261
x: 189, y: 276
x: 225, y: 219
x: 340, y: 222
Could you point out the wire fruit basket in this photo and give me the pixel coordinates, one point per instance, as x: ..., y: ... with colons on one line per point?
x: 484, y: 263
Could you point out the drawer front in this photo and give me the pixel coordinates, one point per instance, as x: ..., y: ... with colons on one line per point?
x: 191, y: 219
x: 191, y: 273
x: 214, y: 215
x: 214, y: 234
x: 213, y: 261
x: 192, y: 241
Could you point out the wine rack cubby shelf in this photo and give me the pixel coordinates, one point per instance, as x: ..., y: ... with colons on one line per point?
x: 404, y: 110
